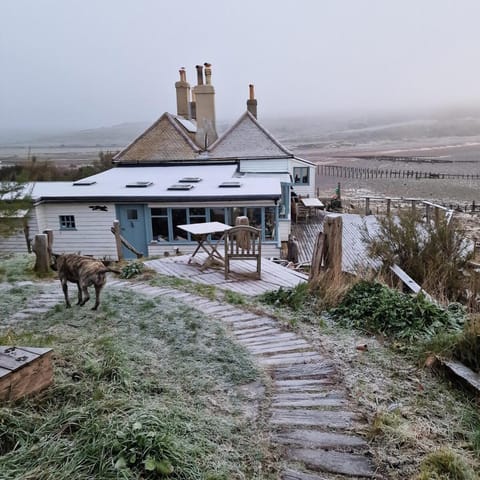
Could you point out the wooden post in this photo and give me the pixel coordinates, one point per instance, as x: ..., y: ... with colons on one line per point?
x: 367, y: 206
x: 428, y: 212
x: 389, y: 205
x: 332, y: 228
x: 40, y: 248
x: 49, y: 234
x: 318, y: 256
x: 118, y: 240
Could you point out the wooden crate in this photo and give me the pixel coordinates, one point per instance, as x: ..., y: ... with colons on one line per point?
x: 24, y: 371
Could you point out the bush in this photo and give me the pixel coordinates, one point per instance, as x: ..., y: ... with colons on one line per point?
x: 132, y: 269
x: 293, y: 298
x: 375, y: 308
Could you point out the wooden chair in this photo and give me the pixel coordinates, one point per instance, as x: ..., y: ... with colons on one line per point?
x: 243, y: 243
x: 303, y: 213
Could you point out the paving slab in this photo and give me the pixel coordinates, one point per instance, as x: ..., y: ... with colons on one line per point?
x: 313, y: 418
x: 334, y: 462
x: 319, y: 439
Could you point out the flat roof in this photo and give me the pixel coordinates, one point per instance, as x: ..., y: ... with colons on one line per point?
x: 154, y: 183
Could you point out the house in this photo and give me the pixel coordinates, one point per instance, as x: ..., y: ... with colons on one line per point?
x: 180, y: 171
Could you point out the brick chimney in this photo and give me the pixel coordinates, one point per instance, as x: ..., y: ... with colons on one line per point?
x: 252, y: 102
x: 205, y: 107
x: 183, y: 95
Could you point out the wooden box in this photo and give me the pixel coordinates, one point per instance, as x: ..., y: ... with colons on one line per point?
x: 24, y: 371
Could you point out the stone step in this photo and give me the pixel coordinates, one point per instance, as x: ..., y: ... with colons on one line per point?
x: 291, y: 474
x: 308, y: 400
x: 318, y: 439
x: 313, y: 418
x: 254, y: 332
x: 267, y: 339
x: 274, y: 348
x: 334, y: 462
x: 316, y: 370
x: 290, y: 359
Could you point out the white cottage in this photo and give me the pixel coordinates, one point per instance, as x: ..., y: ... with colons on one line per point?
x: 177, y: 172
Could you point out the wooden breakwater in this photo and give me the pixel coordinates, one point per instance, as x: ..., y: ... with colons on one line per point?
x: 361, y: 172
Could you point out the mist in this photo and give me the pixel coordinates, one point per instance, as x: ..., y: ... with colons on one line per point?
x: 87, y: 64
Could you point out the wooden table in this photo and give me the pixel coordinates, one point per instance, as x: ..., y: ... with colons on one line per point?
x: 312, y: 202
x: 200, y: 233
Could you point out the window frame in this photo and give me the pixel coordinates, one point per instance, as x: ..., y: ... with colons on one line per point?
x: 299, y: 171
x: 67, y: 222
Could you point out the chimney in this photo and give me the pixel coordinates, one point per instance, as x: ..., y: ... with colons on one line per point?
x: 193, y: 107
x: 252, y: 102
x: 183, y: 95
x: 205, y: 107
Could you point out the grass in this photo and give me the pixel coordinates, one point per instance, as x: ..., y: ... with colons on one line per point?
x: 144, y: 388
x: 16, y: 268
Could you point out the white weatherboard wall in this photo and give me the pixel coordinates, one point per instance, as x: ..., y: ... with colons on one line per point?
x: 17, y: 242
x: 280, y: 165
x: 92, y: 235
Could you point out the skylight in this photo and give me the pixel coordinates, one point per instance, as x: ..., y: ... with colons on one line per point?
x: 138, y: 184
x: 190, y: 180
x: 84, y: 183
x: 180, y: 186
x: 230, y: 185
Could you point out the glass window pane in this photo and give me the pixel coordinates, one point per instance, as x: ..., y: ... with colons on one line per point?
x: 269, y: 223
x: 132, y: 214
x: 160, y: 228
x: 159, y: 212
x: 197, y: 212
x: 179, y: 217
x: 255, y: 217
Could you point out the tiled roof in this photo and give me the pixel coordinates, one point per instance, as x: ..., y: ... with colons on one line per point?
x: 247, y: 139
x: 165, y: 140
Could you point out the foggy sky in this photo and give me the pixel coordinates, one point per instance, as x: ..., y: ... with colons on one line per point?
x: 91, y: 63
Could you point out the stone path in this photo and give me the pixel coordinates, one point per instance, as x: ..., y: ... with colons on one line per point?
x: 309, y: 410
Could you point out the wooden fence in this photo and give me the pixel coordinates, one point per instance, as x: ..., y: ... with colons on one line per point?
x: 360, y: 172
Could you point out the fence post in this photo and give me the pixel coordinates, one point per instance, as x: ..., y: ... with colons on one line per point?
x: 40, y: 248
x: 332, y: 228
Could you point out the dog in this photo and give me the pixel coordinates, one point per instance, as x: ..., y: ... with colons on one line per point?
x: 84, y: 271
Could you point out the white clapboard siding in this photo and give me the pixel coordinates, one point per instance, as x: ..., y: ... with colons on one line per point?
x: 304, y: 190
x: 17, y: 242
x: 280, y: 165
x: 284, y: 230
x: 92, y: 235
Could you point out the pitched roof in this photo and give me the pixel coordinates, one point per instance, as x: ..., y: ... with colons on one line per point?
x: 165, y: 140
x: 247, y: 139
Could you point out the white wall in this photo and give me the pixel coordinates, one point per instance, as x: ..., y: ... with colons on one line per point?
x: 278, y: 165
x: 304, y: 190
x: 92, y: 235
x: 17, y: 242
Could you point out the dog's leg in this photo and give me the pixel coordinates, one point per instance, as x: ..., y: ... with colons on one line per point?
x: 98, y: 289
x: 65, y: 292
x: 79, y: 294
x: 86, y: 295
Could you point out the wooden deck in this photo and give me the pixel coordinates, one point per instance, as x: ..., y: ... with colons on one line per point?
x: 274, y: 276
x: 355, y: 256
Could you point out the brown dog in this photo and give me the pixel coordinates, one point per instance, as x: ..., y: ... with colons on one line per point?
x: 84, y: 271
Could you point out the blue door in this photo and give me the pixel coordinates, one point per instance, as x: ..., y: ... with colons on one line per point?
x: 133, y: 228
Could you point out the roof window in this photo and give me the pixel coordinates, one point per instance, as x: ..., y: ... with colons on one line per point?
x: 230, y: 185
x: 190, y: 180
x: 138, y: 184
x: 180, y: 186
x: 84, y: 183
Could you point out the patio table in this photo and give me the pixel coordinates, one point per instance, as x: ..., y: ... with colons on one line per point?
x: 200, y: 233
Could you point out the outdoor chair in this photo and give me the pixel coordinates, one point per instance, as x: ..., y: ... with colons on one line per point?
x: 303, y: 213
x: 243, y: 243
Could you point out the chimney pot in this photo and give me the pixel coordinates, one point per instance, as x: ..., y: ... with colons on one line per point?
x: 199, y: 74
x: 208, y: 73
x: 252, y: 91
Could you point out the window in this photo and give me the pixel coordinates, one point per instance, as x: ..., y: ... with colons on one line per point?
x: 160, y: 224
x: 300, y: 175
x: 132, y: 214
x: 67, y: 222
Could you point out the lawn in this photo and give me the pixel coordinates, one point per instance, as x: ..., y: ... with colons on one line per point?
x: 144, y: 388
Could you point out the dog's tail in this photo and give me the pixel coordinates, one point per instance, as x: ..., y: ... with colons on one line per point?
x: 113, y: 270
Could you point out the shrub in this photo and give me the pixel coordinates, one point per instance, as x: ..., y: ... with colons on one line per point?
x: 445, y: 465
x: 132, y: 269
x: 375, y: 308
x: 293, y: 298
x: 432, y: 253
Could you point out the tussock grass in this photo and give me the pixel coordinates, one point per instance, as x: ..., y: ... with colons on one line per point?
x: 144, y: 388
